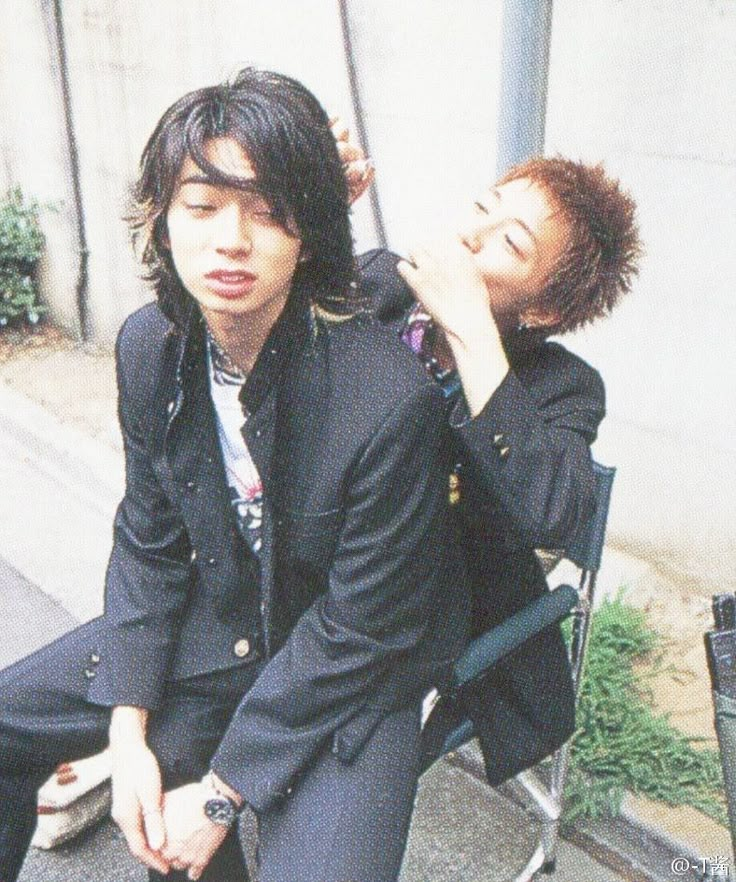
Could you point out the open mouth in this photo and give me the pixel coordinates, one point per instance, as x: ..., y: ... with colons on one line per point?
x: 230, y: 283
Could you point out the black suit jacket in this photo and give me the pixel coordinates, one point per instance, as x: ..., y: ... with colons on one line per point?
x: 357, y: 604
x: 537, y: 494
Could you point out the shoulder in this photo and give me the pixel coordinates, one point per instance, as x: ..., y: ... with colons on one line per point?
x: 143, y: 342
x: 370, y: 368
x: 552, y: 371
x: 143, y: 331
x: 387, y: 293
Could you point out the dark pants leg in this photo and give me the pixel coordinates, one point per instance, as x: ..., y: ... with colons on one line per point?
x: 45, y: 719
x: 184, y: 736
x: 347, y: 822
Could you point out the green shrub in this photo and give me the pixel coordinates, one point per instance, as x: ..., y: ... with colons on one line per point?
x: 21, y: 244
x: 622, y: 744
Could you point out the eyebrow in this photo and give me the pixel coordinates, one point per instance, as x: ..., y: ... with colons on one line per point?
x: 247, y: 184
x: 517, y: 220
x: 531, y: 235
x: 197, y: 179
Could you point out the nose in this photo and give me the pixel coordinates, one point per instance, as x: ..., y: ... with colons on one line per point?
x: 477, y: 228
x: 233, y: 233
x: 473, y: 232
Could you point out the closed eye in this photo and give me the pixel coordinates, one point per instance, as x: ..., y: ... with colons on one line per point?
x: 197, y: 207
x: 481, y: 207
x: 514, y: 247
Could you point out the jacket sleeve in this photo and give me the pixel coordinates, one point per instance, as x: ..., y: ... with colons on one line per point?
x: 386, y: 575
x: 148, y: 574
x: 528, y: 450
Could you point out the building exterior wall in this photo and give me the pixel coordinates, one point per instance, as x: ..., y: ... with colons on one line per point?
x: 647, y: 87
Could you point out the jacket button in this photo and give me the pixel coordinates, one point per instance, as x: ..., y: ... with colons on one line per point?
x: 504, y: 452
x: 193, y: 555
x: 498, y: 440
x: 94, y: 658
x: 191, y: 485
x: 212, y: 561
x: 89, y: 674
x: 242, y: 648
x: 170, y: 407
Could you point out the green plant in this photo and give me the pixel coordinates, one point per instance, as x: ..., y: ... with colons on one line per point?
x: 622, y: 744
x: 21, y: 244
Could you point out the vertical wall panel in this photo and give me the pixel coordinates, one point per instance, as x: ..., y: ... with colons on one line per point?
x: 649, y: 88
x: 34, y: 146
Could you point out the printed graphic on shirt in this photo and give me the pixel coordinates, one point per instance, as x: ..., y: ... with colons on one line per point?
x: 248, y: 504
x: 244, y: 482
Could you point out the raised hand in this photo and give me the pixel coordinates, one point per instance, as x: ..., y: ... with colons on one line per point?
x: 447, y: 282
x: 359, y: 170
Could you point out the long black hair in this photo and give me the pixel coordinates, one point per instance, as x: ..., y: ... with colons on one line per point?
x: 286, y: 135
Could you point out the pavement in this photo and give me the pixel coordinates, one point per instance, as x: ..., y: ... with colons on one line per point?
x: 61, y: 474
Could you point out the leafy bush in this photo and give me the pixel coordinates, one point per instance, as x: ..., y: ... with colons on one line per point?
x: 622, y: 744
x: 21, y: 245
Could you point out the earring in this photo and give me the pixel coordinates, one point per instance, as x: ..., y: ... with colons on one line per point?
x: 303, y: 258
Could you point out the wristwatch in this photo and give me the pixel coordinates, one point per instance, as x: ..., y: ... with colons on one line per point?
x: 220, y: 809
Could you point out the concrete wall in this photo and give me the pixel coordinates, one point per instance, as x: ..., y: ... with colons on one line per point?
x: 33, y: 144
x: 648, y: 87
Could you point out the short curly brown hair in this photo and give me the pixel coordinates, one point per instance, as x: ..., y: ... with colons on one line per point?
x: 601, y: 259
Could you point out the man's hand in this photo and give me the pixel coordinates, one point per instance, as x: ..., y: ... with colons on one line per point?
x: 448, y: 283
x: 191, y: 838
x: 136, y: 788
x: 359, y: 170
x: 136, y: 803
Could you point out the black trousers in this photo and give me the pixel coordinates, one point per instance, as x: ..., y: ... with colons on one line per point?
x: 342, y: 823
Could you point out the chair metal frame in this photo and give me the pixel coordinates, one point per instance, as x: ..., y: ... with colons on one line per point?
x: 585, y: 552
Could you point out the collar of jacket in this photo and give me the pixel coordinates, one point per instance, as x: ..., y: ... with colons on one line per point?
x: 294, y: 328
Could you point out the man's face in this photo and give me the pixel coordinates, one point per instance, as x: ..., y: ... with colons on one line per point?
x: 516, y: 235
x: 229, y: 252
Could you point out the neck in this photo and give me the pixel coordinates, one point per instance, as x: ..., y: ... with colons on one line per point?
x: 242, y: 336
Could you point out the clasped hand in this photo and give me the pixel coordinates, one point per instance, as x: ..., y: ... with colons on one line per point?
x: 163, y: 830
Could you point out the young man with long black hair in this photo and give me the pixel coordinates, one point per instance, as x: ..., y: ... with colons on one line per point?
x: 282, y: 589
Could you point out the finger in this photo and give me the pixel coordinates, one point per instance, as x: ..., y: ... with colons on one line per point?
x: 359, y: 169
x: 153, y: 825
x: 138, y: 847
x: 369, y: 173
x: 195, y: 871
x: 340, y: 132
x: 349, y: 152
x: 151, y: 806
x: 407, y: 271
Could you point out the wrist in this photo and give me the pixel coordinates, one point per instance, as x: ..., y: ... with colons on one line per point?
x: 216, y: 784
x: 128, y: 726
x: 477, y: 333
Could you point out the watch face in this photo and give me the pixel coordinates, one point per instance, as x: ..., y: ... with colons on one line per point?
x: 220, y: 811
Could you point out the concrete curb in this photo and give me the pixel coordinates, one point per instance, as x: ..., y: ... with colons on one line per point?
x: 627, y: 844
x: 61, y: 449
x: 60, y: 492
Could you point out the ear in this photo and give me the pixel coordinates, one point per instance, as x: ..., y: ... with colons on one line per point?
x: 539, y: 317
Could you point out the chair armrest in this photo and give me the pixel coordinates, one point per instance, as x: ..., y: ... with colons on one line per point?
x: 485, y: 651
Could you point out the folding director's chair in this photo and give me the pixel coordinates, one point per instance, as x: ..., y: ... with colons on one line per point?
x: 484, y: 652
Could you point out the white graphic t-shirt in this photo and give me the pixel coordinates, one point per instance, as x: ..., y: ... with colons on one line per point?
x: 244, y: 482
